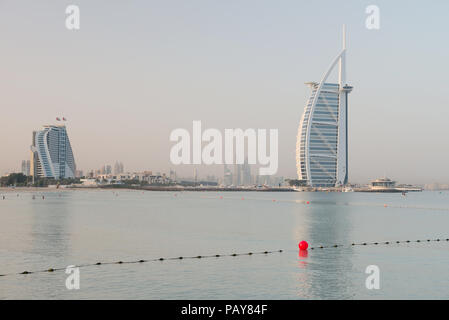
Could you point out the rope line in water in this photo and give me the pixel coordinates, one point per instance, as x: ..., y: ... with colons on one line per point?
x: 146, y: 260
x: 378, y: 243
x: 230, y: 255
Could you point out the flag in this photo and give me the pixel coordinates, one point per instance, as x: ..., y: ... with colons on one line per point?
x: 64, y: 119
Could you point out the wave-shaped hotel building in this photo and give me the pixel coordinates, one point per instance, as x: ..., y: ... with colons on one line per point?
x: 51, y: 153
x: 322, y: 141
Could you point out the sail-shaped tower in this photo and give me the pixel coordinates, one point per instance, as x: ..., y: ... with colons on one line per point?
x: 322, y: 141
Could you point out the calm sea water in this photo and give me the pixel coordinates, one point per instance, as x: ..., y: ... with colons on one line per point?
x: 80, y: 227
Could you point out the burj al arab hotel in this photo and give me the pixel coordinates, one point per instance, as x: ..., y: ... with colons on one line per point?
x: 322, y: 141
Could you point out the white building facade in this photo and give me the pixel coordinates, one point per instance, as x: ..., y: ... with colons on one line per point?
x: 322, y: 141
x: 51, y: 153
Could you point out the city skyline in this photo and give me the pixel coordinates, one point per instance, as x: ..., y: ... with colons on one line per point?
x: 190, y: 155
x: 229, y: 70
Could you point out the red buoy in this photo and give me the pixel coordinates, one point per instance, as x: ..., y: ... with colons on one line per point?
x: 303, y: 245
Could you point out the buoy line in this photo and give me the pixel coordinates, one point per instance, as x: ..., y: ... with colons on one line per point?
x: 144, y: 261
x: 303, y: 246
x: 373, y: 243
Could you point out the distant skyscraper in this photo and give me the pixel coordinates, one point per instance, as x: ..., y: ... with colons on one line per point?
x: 118, y: 167
x: 26, y: 167
x: 241, y: 175
x: 51, y: 153
x: 172, y: 175
x: 237, y: 176
x: 227, y: 176
x: 322, y: 141
x: 195, y: 175
x: 246, y: 173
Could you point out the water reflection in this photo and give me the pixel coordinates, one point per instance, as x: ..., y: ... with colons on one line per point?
x: 323, y: 272
x: 50, y: 218
x: 302, y: 258
x: 303, y: 254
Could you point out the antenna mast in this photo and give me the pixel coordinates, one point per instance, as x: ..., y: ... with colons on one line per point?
x: 342, y: 64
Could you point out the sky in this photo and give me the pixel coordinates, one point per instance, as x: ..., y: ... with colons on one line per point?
x: 136, y: 70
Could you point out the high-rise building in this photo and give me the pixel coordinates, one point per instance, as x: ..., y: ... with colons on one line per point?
x: 195, y: 175
x: 172, y: 175
x: 51, y: 153
x: 26, y: 167
x: 227, y: 176
x: 322, y: 141
x: 237, y: 176
x: 246, y: 173
x: 118, y: 168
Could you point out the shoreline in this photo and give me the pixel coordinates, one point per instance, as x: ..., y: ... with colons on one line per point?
x: 143, y: 188
x: 196, y: 189
x: 201, y: 189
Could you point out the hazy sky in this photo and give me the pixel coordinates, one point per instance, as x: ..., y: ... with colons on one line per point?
x: 136, y: 70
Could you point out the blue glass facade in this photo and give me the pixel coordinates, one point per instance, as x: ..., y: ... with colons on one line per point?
x: 318, y: 136
x: 52, y: 155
